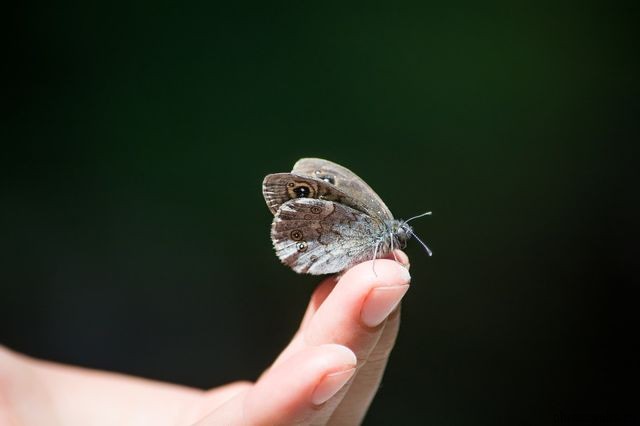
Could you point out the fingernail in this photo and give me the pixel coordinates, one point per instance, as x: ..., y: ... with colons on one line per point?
x: 380, y: 302
x: 330, y: 385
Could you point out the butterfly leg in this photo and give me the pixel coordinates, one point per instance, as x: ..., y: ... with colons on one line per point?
x: 393, y: 251
x: 375, y: 255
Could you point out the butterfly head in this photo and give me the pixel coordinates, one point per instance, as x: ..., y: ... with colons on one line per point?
x: 401, y: 232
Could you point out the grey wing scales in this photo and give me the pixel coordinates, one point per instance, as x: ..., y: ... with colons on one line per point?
x: 322, y: 237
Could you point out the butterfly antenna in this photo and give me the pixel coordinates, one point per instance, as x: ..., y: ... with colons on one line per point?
x: 422, y: 242
x: 415, y: 217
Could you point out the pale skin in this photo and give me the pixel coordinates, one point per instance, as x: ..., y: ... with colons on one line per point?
x: 327, y: 375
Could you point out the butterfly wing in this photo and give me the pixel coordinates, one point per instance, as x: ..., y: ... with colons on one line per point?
x: 321, y: 237
x: 278, y: 188
x: 346, y: 181
x: 322, y: 179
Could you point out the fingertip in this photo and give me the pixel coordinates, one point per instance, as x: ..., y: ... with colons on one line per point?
x: 378, y: 272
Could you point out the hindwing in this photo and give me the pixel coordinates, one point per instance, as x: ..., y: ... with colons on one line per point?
x: 320, y: 237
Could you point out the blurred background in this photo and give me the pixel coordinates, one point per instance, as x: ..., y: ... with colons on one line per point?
x: 134, y: 236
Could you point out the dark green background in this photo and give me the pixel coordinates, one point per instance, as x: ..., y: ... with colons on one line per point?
x: 134, y: 236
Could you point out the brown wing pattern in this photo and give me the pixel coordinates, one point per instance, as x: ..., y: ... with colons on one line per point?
x: 346, y: 181
x: 278, y: 188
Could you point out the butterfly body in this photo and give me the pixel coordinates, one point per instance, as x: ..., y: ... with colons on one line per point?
x: 327, y: 219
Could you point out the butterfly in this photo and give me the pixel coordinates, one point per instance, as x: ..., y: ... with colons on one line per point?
x: 327, y: 219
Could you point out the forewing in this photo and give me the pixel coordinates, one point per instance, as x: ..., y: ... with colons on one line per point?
x: 322, y: 237
x: 278, y: 188
x: 346, y: 181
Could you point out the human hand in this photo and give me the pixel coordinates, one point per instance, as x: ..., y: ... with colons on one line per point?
x: 328, y: 374
x: 332, y: 368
